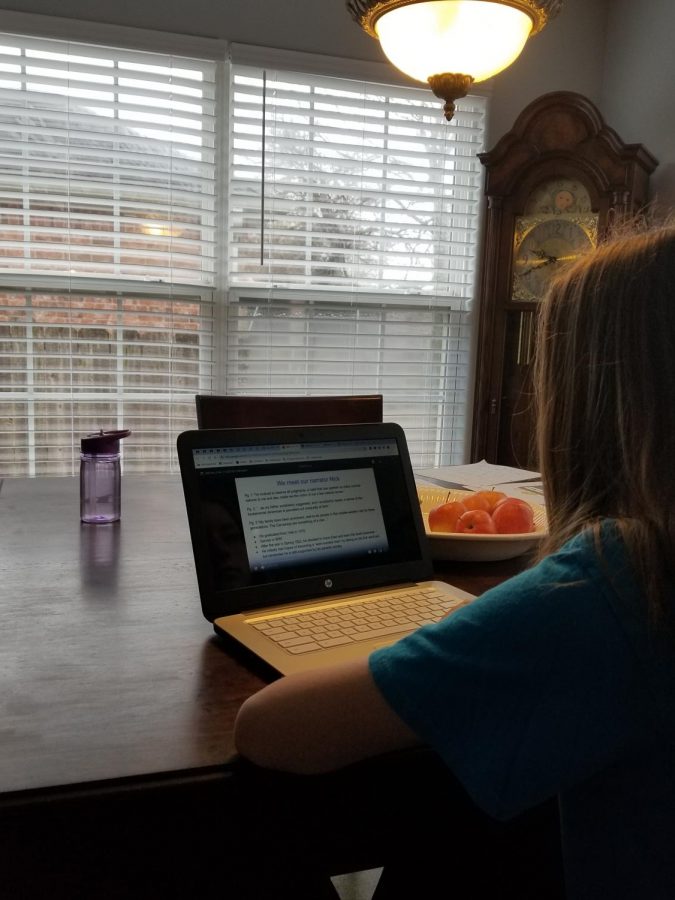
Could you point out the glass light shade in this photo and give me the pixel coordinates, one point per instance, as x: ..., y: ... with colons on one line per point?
x: 471, y: 37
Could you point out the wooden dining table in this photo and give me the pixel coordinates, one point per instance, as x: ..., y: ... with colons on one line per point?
x: 116, y: 694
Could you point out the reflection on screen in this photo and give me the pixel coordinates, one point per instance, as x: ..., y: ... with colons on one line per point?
x: 310, y: 518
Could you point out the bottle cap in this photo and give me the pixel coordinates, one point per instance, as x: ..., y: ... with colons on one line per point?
x: 103, y: 441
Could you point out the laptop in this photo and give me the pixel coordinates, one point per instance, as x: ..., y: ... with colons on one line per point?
x: 308, y: 542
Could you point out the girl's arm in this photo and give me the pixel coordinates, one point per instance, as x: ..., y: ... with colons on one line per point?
x: 319, y: 721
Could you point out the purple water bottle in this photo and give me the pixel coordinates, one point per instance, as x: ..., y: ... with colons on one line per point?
x: 100, y: 477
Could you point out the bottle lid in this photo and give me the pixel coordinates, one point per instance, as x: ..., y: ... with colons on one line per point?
x: 103, y: 441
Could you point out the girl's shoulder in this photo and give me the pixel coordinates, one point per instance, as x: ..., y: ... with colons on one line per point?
x: 576, y: 582
x: 595, y: 555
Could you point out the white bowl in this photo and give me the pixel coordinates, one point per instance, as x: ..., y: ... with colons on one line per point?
x: 479, y: 547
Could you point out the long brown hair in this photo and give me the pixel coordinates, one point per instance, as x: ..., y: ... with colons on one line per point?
x: 605, y: 388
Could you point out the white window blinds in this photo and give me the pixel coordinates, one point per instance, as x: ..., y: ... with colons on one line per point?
x: 348, y: 253
x: 107, y: 249
x: 353, y: 224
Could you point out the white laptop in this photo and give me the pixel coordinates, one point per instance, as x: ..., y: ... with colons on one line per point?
x: 308, y: 542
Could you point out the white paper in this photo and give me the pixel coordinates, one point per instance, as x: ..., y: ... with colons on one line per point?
x: 479, y: 475
x: 484, y: 475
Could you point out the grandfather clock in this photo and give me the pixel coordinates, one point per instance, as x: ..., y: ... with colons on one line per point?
x: 554, y: 185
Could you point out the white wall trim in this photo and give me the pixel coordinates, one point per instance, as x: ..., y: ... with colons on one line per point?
x: 315, y: 63
x: 339, y: 67
x: 112, y: 35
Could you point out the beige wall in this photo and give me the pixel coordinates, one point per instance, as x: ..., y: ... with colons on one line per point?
x: 638, y: 93
x: 566, y: 56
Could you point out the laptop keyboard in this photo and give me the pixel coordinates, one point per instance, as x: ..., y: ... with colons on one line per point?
x: 352, y: 621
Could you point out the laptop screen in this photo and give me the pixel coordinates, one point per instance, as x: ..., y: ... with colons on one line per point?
x: 291, y: 513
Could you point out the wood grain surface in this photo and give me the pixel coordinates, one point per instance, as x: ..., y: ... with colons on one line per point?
x: 111, y: 677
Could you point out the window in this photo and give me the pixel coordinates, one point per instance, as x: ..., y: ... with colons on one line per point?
x: 353, y: 270
x: 107, y: 249
x: 337, y: 255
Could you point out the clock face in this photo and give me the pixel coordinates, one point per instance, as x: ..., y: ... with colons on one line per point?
x: 558, y: 226
x: 543, y: 246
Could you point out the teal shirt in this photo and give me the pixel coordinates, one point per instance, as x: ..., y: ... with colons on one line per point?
x: 551, y: 684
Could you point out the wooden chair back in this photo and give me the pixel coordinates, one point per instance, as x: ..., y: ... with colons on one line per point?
x: 240, y: 411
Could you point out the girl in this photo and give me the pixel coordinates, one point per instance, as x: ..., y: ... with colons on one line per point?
x: 559, y: 683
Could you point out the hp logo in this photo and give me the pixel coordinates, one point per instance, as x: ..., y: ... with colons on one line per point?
x: 328, y: 583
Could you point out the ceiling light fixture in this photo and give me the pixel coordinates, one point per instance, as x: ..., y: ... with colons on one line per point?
x: 451, y: 44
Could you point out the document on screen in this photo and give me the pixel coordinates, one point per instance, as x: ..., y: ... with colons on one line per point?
x: 311, y: 517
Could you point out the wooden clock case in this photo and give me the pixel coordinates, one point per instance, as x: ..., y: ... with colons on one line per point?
x: 559, y: 135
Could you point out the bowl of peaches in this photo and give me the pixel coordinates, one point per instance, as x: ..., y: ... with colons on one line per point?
x: 479, y: 525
